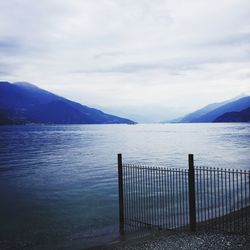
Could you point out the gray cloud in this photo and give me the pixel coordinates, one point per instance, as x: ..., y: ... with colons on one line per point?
x: 160, y: 53
x: 7, y: 70
x: 237, y: 39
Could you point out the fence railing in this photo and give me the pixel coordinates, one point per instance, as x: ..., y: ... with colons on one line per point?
x: 195, y: 198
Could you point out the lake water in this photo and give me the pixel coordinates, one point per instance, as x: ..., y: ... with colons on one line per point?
x: 58, y: 184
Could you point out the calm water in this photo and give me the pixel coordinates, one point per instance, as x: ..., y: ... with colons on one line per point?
x: 58, y: 184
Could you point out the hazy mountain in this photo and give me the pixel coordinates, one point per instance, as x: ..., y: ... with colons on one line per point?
x: 237, y: 105
x: 203, y: 111
x: 241, y: 116
x: 22, y: 103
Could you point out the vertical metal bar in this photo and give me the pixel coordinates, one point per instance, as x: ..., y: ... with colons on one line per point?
x: 140, y: 190
x: 248, y: 200
x: 245, y: 198
x: 224, y: 195
x: 131, y: 215
x: 151, y: 197
x: 184, y: 211
x: 180, y: 198
x: 205, y: 208
x: 215, y: 197
x: 187, y: 199
x: 120, y: 188
x: 129, y: 193
x: 136, y: 197
x: 238, y: 214
x: 229, y: 198
x: 158, y: 202
x: 242, y: 215
x: 176, y: 198
x: 171, y: 218
x: 184, y: 197
x: 143, y: 193
x: 196, y: 174
x: 208, y: 196
x: 173, y: 197
x: 155, y: 196
x: 125, y: 192
x: 221, y: 195
x: 163, y: 198
x: 191, y: 182
x: 197, y: 198
x: 199, y: 193
x: 132, y: 196
x: 234, y: 202
x: 158, y: 205
x: 168, y: 200
x: 139, y: 169
x: 225, y: 200
x: 145, y: 178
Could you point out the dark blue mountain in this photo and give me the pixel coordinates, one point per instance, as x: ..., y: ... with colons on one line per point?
x: 192, y: 117
x: 242, y: 116
x: 22, y: 103
x: 234, y: 106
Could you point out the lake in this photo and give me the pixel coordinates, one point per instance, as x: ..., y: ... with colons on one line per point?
x: 58, y: 184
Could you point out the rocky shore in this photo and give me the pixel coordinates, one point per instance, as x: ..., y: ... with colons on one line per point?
x: 210, y: 235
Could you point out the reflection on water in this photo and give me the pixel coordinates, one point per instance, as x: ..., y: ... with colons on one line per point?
x: 58, y: 184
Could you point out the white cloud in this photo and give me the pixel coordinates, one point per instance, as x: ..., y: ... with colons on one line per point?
x: 137, y: 54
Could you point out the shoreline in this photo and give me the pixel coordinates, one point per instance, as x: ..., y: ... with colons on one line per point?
x: 216, y: 238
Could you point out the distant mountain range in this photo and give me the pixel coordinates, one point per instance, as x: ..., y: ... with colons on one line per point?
x: 23, y: 103
x: 219, y: 112
x: 242, y: 116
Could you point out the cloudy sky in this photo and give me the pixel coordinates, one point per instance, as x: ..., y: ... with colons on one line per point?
x: 147, y: 59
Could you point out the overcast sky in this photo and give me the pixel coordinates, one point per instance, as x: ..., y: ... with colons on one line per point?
x: 149, y: 58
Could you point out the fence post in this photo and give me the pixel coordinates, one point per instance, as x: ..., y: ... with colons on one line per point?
x: 120, y: 188
x: 191, y: 190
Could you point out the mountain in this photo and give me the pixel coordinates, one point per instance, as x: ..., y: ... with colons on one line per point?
x: 22, y: 103
x: 203, y: 111
x: 242, y: 116
x: 234, y: 106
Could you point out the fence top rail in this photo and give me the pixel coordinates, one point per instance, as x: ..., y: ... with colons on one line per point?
x: 223, y: 170
x: 164, y: 169
x: 185, y: 170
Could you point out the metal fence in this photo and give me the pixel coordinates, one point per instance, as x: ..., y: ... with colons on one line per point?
x: 195, y: 198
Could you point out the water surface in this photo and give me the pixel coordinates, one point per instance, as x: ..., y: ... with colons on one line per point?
x: 58, y: 184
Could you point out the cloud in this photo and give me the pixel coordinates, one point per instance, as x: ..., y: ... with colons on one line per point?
x: 140, y: 53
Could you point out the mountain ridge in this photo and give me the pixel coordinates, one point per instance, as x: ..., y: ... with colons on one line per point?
x: 234, y: 106
x: 22, y: 103
x: 204, y: 110
x: 241, y: 116
x: 211, y: 112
